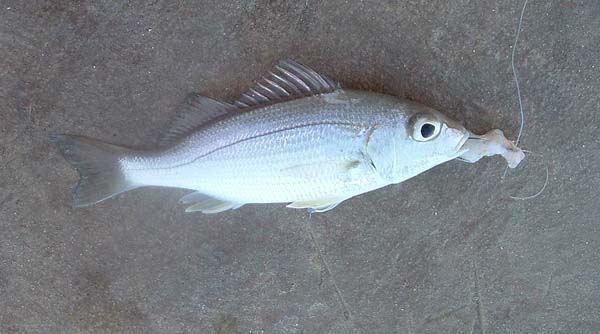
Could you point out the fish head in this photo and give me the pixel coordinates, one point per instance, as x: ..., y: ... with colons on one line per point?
x: 427, y: 139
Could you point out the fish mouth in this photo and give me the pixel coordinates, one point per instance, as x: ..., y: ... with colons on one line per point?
x: 461, y: 143
x: 468, y: 137
x: 464, y: 136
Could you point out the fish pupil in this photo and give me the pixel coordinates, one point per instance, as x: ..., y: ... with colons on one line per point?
x: 427, y: 130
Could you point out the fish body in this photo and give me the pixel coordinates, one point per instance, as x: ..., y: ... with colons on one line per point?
x: 297, y: 138
x: 330, y: 146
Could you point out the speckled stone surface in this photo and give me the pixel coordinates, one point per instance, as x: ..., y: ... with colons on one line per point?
x: 445, y: 252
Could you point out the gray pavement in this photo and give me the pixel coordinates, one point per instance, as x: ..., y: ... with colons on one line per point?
x: 445, y: 252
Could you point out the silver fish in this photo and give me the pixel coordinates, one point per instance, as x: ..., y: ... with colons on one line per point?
x: 295, y: 137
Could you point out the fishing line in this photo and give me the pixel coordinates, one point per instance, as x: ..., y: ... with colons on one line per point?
x: 545, y: 182
x: 516, y: 79
x: 514, y: 70
x: 521, y: 112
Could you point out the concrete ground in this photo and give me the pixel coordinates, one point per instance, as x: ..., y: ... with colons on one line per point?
x: 446, y: 252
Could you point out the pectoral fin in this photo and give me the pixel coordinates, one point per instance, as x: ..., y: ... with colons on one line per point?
x: 340, y: 166
x: 317, y: 205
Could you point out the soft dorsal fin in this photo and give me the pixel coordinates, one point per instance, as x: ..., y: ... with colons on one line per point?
x: 289, y: 80
x: 197, y: 110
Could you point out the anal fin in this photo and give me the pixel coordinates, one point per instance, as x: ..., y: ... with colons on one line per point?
x: 207, y: 204
x: 317, y: 205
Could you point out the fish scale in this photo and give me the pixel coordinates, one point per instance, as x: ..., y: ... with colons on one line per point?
x: 264, y: 168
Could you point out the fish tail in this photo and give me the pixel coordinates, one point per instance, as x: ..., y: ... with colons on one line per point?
x: 99, y: 167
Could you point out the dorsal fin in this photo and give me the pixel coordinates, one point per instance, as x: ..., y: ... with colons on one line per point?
x: 289, y: 80
x: 197, y: 110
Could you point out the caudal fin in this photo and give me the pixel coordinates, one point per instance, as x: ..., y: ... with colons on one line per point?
x: 100, y: 173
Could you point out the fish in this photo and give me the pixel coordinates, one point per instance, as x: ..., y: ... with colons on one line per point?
x: 295, y: 137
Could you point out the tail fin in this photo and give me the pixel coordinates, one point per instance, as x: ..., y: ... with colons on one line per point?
x: 100, y: 173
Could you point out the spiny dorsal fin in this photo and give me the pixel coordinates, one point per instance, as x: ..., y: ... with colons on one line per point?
x: 289, y: 80
x: 197, y: 110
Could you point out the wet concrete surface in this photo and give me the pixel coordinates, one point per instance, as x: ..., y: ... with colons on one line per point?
x: 445, y: 252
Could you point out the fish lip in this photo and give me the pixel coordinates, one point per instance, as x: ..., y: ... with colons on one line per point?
x: 462, y: 141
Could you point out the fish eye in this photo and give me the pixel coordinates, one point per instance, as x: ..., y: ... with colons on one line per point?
x: 425, y: 127
x: 427, y: 130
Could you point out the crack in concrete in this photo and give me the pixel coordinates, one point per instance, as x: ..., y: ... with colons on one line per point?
x: 347, y: 313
